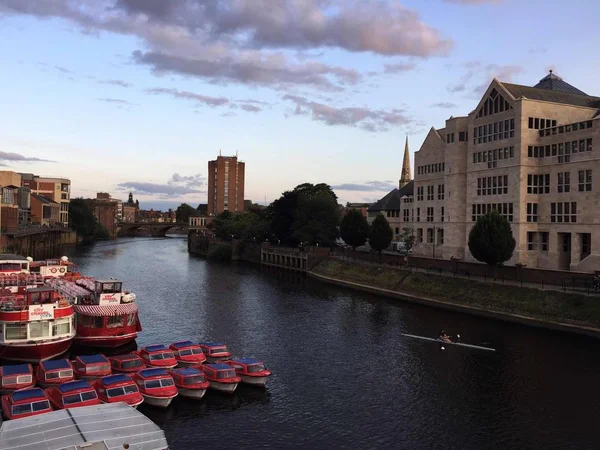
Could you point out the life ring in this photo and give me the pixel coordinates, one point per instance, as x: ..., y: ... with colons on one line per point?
x: 53, y: 270
x: 62, y: 270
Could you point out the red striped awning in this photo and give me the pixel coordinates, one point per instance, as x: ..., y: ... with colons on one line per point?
x: 114, y: 310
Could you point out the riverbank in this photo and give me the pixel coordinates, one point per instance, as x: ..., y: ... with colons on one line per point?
x: 548, y: 309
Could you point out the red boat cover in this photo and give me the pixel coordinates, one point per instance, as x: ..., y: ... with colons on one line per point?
x: 114, y: 310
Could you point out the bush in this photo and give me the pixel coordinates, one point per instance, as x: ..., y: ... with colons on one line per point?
x: 221, y: 253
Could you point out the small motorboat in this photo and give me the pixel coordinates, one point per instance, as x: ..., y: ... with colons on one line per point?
x: 251, y: 371
x: 156, y: 385
x: 157, y: 356
x: 118, y: 388
x: 90, y: 367
x: 54, y: 372
x: 190, y: 382
x: 16, y: 377
x: 72, y: 394
x: 187, y: 353
x: 25, y: 403
x: 129, y: 363
x: 215, y: 352
x: 222, y: 377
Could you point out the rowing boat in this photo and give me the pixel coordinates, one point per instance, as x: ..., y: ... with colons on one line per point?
x: 449, y: 342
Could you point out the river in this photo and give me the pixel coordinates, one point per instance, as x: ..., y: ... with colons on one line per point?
x: 343, y: 375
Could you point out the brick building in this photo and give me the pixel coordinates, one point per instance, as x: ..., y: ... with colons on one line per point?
x: 130, y: 210
x: 56, y: 189
x: 225, y: 185
x: 44, y: 211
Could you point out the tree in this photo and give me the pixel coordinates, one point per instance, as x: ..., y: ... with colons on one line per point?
x: 184, y: 212
x: 354, y: 229
x: 408, y: 238
x: 380, y: 234
x: 316, y: 218
x: 491, y: 240
x: 82, y: 217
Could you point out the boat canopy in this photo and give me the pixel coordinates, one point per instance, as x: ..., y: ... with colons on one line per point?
x: 187, y: 371
x: 115, y: 379
x: 219, y: 366
x: 73, y: 386
x: 19, y: 369
x: 147, y: 373
x: 56, y: 364
x: 212, y: 344
x: 27, y: 394
x: 92, y: 359
x: 247, y: 361
x: 116, y: 425
x: 184, y: 344
x: 113, y: 310
x: 156, y: 348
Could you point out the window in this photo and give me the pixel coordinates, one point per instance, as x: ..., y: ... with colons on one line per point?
x: 564, y: 182
x: 430, y: 214
x: 497, y: 185
x: 418, y: 214
x: 420, y: 193
x: 442, y: 215
x: 493, y: 131
x: 494, y: 104
x: 544, y: 241
x: 62, y: 326
x: 430, y: 235
x: 406, y: 215
x: 450, y: 138
x: 504, y: 209
x: 530, y: 240
x: 430, y: 192
x: 440, y: 236
x: 532, y: 212
x: 538, y: 124
x: 463, y: 136
x: 419, y: 234
x: 585, y: 180
x: 397, y: 230
x: 115, y: 321
x: 15, y: 331
x: 39, y: 329
x: 538, y: 184
x: 440, y: 192
x: 563, y: 212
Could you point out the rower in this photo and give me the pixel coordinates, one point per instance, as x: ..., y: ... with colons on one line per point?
x: 443, y: 336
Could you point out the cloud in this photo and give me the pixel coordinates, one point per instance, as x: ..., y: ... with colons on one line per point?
x: 115, y: 100
x: 17, y: 157
x: 502, y: 73
x: 187, y: 95
x: 177, y: 186
x: 446, y: 105
x: 250, y: 108
x: 474, y: 2
x: 537, y: 51
x: 365, y: 118
x: 229, y: 114
x: 121, y: 83
x: 368, y: 186
x: 250, y: 41
x: 400, y: 67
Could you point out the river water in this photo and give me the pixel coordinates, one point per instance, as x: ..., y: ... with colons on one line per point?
x: 343, y: 375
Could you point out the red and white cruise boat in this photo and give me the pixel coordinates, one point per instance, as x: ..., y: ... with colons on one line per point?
x: 107, y: 316
x: 35, y: 325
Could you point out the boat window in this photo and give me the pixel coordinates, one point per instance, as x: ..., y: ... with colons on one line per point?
x: 21, y: 409
x: 115, y: 392
x: 7, y: 381
x: 131, y: 319
x: 70, y: 399
x: 115, y: 321
x: 89, y: 395
x: 15, y: 331
x: 24, y: 379
x: 41, y: 405
x: 256, y: 368
x: 131, y: 364
x: 186, y: 352
x: 194, y: 380
x: 160, y: 356
x: 66, y: 373
x: 103, y: 367
x: 131, y: 389
x: 39, y: 329
x: 152, y: 384
x: 218, y: 350
x: 111, y: 288
x: 197, y: 351
x: 166, y: 382
x: 61, y: 326
x: 91, y: 321
x: 226, y: 374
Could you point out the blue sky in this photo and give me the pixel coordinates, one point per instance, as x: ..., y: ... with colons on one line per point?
x: 121, y: 95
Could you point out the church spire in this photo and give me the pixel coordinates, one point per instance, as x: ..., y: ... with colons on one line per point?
x: 405, y: 176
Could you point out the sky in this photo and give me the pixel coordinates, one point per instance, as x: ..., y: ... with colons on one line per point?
x: 138, y: 95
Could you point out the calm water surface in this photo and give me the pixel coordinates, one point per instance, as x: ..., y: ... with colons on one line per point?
x: 343, y: 376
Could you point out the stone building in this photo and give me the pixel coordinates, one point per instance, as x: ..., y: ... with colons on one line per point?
x: 397, y: 205
x: 130, y: 210
x: 527, y: 152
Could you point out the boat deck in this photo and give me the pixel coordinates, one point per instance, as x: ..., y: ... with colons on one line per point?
x: 110, y: 425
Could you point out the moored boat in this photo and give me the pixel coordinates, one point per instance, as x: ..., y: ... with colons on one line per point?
x: 190, y: 382
x: 35, y: 326
x: 25, y: 403
x: 215, y: 352
x: 221, y: 377
x: 187, y: 353
x: 129, y: 363
x: 157, y: 386
x: 89, y: 367
x: 13, y: 378
x: 72, y: 394
x: 251, y: 371
x: 54, y: 372
x: 118, y: 388
x: 157, y: 356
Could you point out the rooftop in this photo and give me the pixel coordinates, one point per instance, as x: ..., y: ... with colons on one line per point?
x: 392, y: 200
x: 553, y: 82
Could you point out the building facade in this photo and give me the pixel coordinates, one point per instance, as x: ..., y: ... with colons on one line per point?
x: 528, y: 153
x: 44, y: 211
x: 130, y: 210
x: 226, y: 177
x: 11, y: 195
x: 56, y: 189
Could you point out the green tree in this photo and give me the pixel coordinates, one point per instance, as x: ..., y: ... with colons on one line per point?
x: 101, y: 232
x: 491, y: 240
x: 408, y: 238
x: 280, y: 216
x: 354, y: 229
x: 380, y: 234
x: 81, y: 215
x: 184, y: 212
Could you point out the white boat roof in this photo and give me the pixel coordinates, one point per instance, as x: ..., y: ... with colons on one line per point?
x: 110, y: 426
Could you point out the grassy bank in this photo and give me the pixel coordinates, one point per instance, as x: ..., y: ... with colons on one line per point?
x: 553, y: 306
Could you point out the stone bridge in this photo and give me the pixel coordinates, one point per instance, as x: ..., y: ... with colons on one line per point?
x: 155, y: 229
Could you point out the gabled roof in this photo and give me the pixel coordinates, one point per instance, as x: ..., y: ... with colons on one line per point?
x: 547, y: 95
x: 392, y: 200
x: 553, y: 82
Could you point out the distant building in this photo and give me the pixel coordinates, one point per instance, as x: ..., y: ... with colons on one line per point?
x: 44, y: 211
x: 105, y: 210
x: 362, y: 207
x: 225, y: 185
x: 10, y: 185
x: 130, y: 210
x: 56, y: 189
